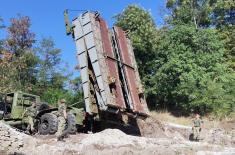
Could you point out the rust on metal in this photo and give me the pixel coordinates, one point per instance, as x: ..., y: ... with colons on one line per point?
x: 129, y: 71
x: 112, y: 64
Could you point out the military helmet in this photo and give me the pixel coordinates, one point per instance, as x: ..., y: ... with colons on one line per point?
x: 62, y: 101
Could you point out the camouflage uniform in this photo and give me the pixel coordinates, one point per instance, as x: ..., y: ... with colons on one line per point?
x: 197, y: 128
x: 31, y: 112
x: 61, y: 121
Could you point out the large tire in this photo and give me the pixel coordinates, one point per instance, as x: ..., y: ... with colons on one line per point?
x: 48, y: 124
x: 43, y: 106
x: 70, y: 127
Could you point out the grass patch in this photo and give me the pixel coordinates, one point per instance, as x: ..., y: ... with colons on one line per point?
x: 168, y: 117
x: 210, y: 121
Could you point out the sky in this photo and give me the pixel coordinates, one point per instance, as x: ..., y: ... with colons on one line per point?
x: 47, y: 17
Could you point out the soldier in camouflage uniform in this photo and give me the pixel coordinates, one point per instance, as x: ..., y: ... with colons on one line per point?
x: 31, y: 113
x: 62, y: 116
x: 197, y: 126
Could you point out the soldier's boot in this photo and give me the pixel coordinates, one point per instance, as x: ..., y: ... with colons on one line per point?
x: 33, y: 131
x: 60, y: 138
x: 66, y: 136
x: 27, y: 130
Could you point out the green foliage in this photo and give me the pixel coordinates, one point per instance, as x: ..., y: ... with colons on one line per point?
x: 207, y: 13
x: 190, y: 12
x: 37, y: 70
x: 18, y: 60
x: 48, y: 70
x: 227, y: 34
x: 73, y: 96
x: 186, y: 63
x: 76, y: 87
x: 20, y: 38
x: 223, y: 13
x: 49, y: 59
x: 51, y: 77
x: 52, y: 96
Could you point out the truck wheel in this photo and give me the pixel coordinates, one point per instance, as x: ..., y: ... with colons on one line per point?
x: 43, y: 106
x: 71, y: 124
x: 48, y: 124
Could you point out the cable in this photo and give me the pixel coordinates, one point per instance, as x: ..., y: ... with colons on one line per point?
x: 72, y: 10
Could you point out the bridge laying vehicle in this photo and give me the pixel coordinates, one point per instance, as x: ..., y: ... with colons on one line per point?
x: 112, y: 89
x: 108, y: 69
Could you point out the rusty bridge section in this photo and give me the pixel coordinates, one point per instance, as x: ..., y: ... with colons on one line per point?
x: 108, y: 69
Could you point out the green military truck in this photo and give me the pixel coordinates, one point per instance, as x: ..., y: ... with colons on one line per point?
x: 12, y: 111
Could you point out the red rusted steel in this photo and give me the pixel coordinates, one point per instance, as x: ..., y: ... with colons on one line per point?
x: 112, y: 64
x: 129, y: 71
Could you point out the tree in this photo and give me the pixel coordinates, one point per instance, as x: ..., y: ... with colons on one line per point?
x: 73, y: 95
x: 190, y: 73
x: 20, y: 39
x: 223, y: 13
x: 1, y: 41
x: 194, y: 12
x: 37, y: 70
x: 51, y: 77
x: 224, y: 20
x: 208, y: 13
x: 18, y: 67
x: 49, y: 62
x: 188, y: 70
x: 76, y: 89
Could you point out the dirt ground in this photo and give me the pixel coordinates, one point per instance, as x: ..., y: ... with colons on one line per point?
x: 158, y: 137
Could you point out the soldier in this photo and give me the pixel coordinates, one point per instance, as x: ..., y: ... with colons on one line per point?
x: 31, y: 113
x: 62, y: 116
x: 197, y: 126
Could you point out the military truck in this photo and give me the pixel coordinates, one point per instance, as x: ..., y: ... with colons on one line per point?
x: 12, y: 111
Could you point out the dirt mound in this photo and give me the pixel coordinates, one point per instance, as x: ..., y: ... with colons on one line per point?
x: 228, y: 125
x: 159, y: 138
x: 224, y: 134
x: 12, y: 141
x: 156, y: 129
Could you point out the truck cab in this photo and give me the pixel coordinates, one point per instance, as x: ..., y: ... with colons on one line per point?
x: 13, y: 107
x: 14, y: 104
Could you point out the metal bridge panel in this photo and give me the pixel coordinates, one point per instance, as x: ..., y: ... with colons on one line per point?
x: 92, y: 44
x: 87, y: 28
x: 84, y: 74
x: 86, y: 18
x: 90, y: 41
x: 93, y: 55
x: 82, y: 60
x: 111, y: 64
x: 77, y: 29
x: 80, y: 46
x: 138, y: 81
x: 129, y: 72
